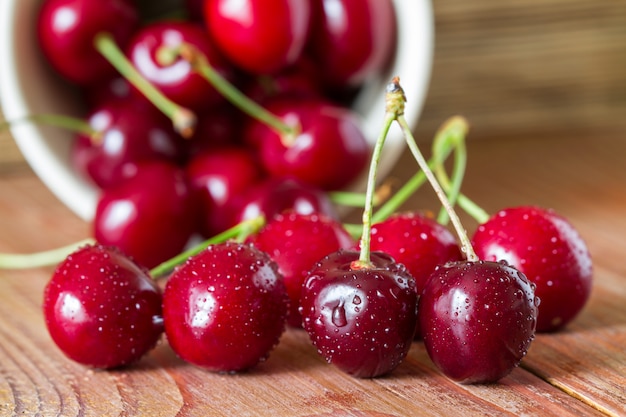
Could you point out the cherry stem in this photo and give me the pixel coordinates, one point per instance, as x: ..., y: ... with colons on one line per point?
x: 238, y: 232
x: 453, y: 131
x: 183, y: 119
x: 201, y: 64
x: 354, y: 199
x: 390, y: 115
x: 66, y: 122
x: 39, y: 259
x: 441, y: 149
x: 466, y: 245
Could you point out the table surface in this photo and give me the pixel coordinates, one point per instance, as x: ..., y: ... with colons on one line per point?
x: 579, y: 371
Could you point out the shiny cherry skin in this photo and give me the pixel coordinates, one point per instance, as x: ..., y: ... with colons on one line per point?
x: 549, y: 251
x: 101, y: 309
x: 178, y: 80
x: 150, y: 216
x: 260, y: 37
x: 296, y: 242
x: 225, y: 308
x: 216, y: 176
x: 352, y: 40
x: 132, y: 131
x: 66, y: 30
x: 418, y: 242
x: 274, y: 196
x: 477, y: 319
x: 330, y: 151
x: 362, y: 320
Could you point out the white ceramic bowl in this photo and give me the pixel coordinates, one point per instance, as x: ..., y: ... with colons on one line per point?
x: 27, y: 87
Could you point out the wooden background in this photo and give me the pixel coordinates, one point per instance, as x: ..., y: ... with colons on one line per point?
x: 516, y: 67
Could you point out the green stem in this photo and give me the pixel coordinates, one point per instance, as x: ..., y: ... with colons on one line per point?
x: 452, y: 136
x: 400, y: 197
x: 201, y: 64
x: 444, y: 148
x: 39, y: 259
x: 238, y: 232
x: 391, y: 111
x: 66, y: 122
x: 466, y: 245
x: 184, y: 120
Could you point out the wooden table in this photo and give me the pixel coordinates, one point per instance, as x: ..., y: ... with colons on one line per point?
x: 580, y: 371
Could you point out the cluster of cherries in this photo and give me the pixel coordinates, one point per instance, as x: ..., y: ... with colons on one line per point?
x: 187, y: 159
x: 476, y: 306
x: 363, y: 302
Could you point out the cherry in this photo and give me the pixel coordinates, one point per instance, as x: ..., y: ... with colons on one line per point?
x: 150, y: 216
x: 131, y: 131
x: 360, y: 319
x: 173, y: 75
x: 101, y: 309
x: 225, y: 308
x: 549, y: 251
x: 296, y: 242
x: 66, y: 30
x: 352, y: 40
x: 260, y: 37
x: 274, y: 196
x: 418, y: 242
x: 217, y: 176
x: 328, y: 151
x: 477, y: 319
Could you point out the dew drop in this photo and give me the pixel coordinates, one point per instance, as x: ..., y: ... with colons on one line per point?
x: 339, y: 316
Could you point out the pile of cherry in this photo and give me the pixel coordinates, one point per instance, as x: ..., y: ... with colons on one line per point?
x: 363, y: 302
x: 295, y: 60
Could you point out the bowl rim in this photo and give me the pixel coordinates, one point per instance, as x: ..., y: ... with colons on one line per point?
x: 412, y: 63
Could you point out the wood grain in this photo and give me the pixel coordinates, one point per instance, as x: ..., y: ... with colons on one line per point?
x: 576, y: 372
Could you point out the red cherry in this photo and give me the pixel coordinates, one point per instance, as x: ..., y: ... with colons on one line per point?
x: 132, y: 131
x: 225, y: 308
x: 150, y: 216
x: 177, y: 80
x: 361, y: 320
x: 261, y: 37
x: 296, y: 242
x: 101, y: 309
x: 549, y: 251
x: 274, y: 196
x: 66, y: 30
x: 216, y: 177
x: 418, y: 242
x: 477, y: 319
x: 352, y: 40
x: 329, y: 152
